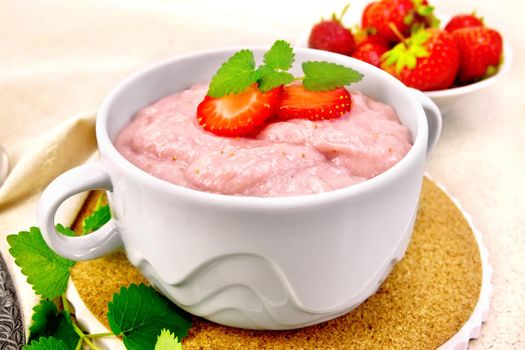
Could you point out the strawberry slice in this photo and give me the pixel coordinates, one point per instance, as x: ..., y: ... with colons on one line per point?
x: 297, y: 102
x: 238, y: 114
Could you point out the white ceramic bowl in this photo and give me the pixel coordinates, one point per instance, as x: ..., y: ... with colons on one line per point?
x: 447, y: 98
x: 251, y: 262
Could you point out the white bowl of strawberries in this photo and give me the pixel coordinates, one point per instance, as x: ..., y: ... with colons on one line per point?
x: 404, y: 38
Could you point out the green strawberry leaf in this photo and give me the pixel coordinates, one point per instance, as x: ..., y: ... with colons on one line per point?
x: 322, y: 76
x: 409, y: 18
x: 280, y: 56
x: 47, y: 344
x: 41, y: 313
x: 97, y: 219
x: 405, y: 54
x: 138, y: 312
x: 271, y: 79
x: 235, y: 75
x: 46, y: 271
x: 167, y: 341
x: 47, y: 321
x: 425, y: 10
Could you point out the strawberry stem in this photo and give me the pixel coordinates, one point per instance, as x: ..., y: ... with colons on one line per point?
x: 396, y: 31
x: 343, y: 12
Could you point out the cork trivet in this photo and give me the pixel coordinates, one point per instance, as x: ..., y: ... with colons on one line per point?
x: 426, y: 299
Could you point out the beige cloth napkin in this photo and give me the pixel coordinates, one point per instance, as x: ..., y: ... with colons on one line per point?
x: 41, y: 160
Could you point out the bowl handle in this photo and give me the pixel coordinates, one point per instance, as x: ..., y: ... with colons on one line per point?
x: 434, y: 119
x: 98, y: 243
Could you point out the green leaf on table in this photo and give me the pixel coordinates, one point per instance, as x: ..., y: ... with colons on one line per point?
x: 167, y: 341
x: 235, y: 75
x: 65, y: 230
x: 280, y: 56
x: 138, y: 313
x: 323, y: 76
x: 47, y: 321
x: 46, y: 271
x: 99, y: 217
x: 42, y: 313
x: 47, y: 344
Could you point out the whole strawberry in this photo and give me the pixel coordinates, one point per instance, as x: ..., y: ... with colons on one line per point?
x: 403, y: 14
x: 428, y: 60
x: 464, y: 21
x: 331, y: 35
x: 370, y: 49
x: 480, y: 50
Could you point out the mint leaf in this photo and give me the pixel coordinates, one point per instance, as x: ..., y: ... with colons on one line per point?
x: 47, y: 344
x: 97, y: 219
x: 234, y: 76
x: 322, y: 76
x: 271, y: 79
x: 46, y: 271
x: 137, y: 313
x: 167, y: 341
x: 277, y: 61
x: 280, y: 56
x: 47, y: 321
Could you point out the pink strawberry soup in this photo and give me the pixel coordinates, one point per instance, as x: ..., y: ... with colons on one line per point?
x: 286, y: 158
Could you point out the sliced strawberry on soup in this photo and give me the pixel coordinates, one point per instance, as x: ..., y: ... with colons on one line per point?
x: 238, y: 114
x: 297, y: 102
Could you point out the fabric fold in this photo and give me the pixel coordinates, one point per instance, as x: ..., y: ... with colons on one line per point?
x: 69, y: 144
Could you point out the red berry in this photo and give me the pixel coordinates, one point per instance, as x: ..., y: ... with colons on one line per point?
x: 428, y: 60
x: 238, y: 114
x: 463, y: 21
x: 331, y: 35
x: 371, y: 49
x: 480, y: 50
x: 403, y: 14
x: 297, y: 102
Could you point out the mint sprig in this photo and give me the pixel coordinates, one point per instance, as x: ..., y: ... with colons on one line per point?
x: 277, y: 61
x: 235, y: 75
x: 280, y: 56
x: 322, y: 76
x: 239, y: 72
